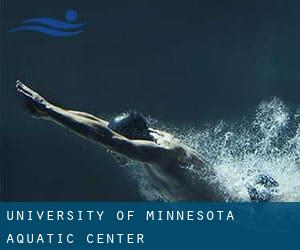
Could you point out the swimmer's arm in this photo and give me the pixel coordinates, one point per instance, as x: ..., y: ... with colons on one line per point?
x: 34, y: 100
x: 83, y: 124
x: 87, y: 115
x: 142, y: 150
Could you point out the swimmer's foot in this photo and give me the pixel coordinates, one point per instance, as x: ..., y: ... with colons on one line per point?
x: 34, y: 103
x: 263, y: 188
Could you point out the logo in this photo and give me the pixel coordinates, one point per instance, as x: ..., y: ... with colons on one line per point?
x: 53, y: 27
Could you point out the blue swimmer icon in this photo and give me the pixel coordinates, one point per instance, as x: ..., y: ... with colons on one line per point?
x: 53, y: 27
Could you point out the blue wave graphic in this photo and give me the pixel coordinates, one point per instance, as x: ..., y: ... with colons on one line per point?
x: 47, y: 31
x: 53, y: 27
x: 53, y: 23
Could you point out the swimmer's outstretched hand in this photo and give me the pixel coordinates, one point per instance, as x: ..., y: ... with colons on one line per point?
x: 35, y: 103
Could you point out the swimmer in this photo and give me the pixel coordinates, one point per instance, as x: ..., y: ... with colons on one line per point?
x: 129, y: 136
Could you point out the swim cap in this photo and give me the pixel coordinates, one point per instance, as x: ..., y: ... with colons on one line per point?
x: 132, y: 125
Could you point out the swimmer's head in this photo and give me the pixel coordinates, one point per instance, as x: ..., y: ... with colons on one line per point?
x: 132, y: 125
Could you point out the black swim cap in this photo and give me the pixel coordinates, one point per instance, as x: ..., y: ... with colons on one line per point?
x: 132, y: 125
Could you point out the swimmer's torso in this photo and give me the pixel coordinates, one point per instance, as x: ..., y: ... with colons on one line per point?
x: 176, y: 183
